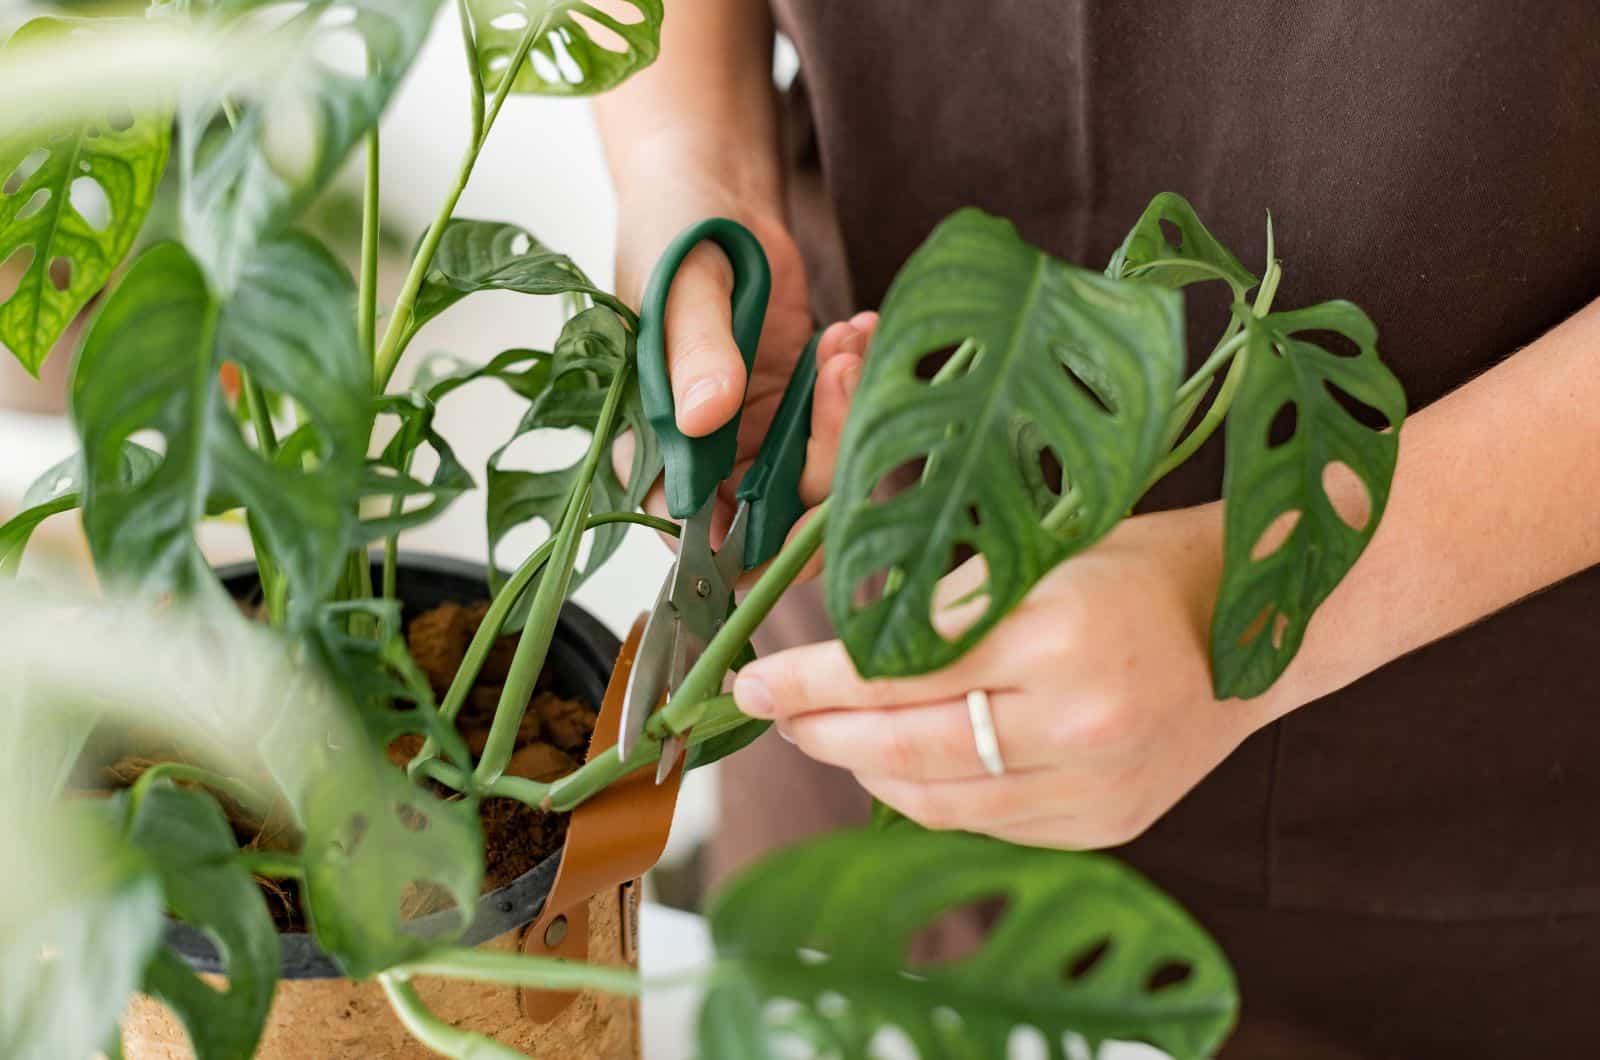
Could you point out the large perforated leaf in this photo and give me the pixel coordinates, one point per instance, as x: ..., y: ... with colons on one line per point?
x: 582, y: 49
x: 1295, y: 418
x: 592, y: 348
x: 293, y: 123
x: 151, y: 363
x: 188, y: 840
x: 71, y: 205
x: 1073, y: 369
x: 478, y: 256
x: 1080, y: 946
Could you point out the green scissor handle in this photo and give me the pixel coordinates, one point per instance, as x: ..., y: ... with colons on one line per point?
x: 696, y: 466
x: 772, y: 485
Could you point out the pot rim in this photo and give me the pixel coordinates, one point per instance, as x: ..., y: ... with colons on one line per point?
x: 583, y: 642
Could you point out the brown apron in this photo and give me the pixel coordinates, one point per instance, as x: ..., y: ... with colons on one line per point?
x: 1408, y: 868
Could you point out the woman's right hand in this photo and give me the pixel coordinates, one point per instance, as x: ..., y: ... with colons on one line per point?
x: 707, y: 372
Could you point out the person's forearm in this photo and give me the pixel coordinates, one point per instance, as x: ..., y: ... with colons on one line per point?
x: 1497, y: 495
x: 707, y: 104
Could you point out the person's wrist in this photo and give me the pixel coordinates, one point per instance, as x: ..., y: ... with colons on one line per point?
x: 718, y: 164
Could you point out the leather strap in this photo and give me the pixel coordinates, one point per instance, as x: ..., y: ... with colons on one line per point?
x: 611, y: 840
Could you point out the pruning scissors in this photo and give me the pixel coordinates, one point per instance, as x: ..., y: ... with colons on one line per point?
x: 698, y: 593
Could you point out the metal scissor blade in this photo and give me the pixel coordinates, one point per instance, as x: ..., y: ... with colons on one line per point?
x: 652, y: 670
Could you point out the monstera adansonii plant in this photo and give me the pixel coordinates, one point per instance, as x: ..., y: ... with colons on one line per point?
x: 1014, y: 408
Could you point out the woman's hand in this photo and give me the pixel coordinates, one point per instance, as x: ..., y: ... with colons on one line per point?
x: 704, y: 364
x: 1099, y: 686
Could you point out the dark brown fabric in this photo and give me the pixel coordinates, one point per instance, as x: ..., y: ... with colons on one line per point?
x: 1407, y: 868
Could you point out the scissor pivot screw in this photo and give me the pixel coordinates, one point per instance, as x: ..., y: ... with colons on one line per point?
x: 703, y: 587
x: 556, y: 933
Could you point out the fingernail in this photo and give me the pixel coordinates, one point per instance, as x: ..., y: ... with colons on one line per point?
x: 854, y: 343
x: 783, y: 731
x: 700, y: 392
x: 752, y: 696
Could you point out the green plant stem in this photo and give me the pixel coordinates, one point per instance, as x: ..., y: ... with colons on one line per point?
x: 248, y: 798
x: 271, y: 864
x: 371, y: 227
x: 436, y: 1034
x: 534, y: 643
x: 704, y: 679
x: 500, y: 610
x: 1232, y: 339
x: 719, y: 715
x: 1230, y: 383
x: 512, y: 969
x: 398, y: 331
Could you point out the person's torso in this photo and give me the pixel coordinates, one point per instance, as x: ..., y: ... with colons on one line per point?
x: 1435, y: 161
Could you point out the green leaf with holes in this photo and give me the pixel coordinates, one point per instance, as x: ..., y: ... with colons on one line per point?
x: 1170, y: 246
x: 380, y: 851
x: 57, y: 491
x: 71, y: 205
x: 591, y: 349
x: 581, y: 49
x: 1271, y: 583
x: 478, y: 256
x: 151, y: 362
x: 1082, y: 946
x: 187, y: 838
x: 1072, y: 367
x: 81, y: 919
x: 246, y: 177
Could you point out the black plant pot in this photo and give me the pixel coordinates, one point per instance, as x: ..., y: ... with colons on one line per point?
x: 580, y: 661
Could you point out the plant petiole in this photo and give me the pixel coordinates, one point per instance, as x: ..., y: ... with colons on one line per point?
x: 500, y: 610
x: 704, y: 679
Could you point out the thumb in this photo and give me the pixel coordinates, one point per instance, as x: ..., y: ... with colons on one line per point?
x: 707, y: 372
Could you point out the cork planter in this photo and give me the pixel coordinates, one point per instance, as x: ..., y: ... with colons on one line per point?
x: 318, y: 1013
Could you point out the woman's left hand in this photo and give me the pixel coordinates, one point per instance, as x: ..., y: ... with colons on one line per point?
x: 1099, y: 685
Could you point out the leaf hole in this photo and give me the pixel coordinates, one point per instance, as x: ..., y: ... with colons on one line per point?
x: 1172, y: 234
x: 35, y: 204
x: 343, y: 15
x: 355, y: 830
x: 1358, y: 410
x: 91, y: 202
x: 1081, y: 966
x: 1081, y: 373
x: 1274, y: 536
x: 289, y: 138
x: 561, y: 52
x: 423, y: 897
x: 15, y: 268
x: 410, y: 818
x: 61, y: 273
x: 521, y: 243
x: 1283, y: 425
x: 1335, y: 342
x: 1256, y: 626
x: 1027, y: 1042
x: 30, y: 165
x: 1348, y: 494
x: 631, y: 15
x: 602, y: 35
x: 956, y: 933
x: 1280, y: 627
x: 1169, y: 975
x: 342, y: 51
x: 544, y: 66
x: 928, y: 364
x: 510, y: 22
x: 890, y: 1043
